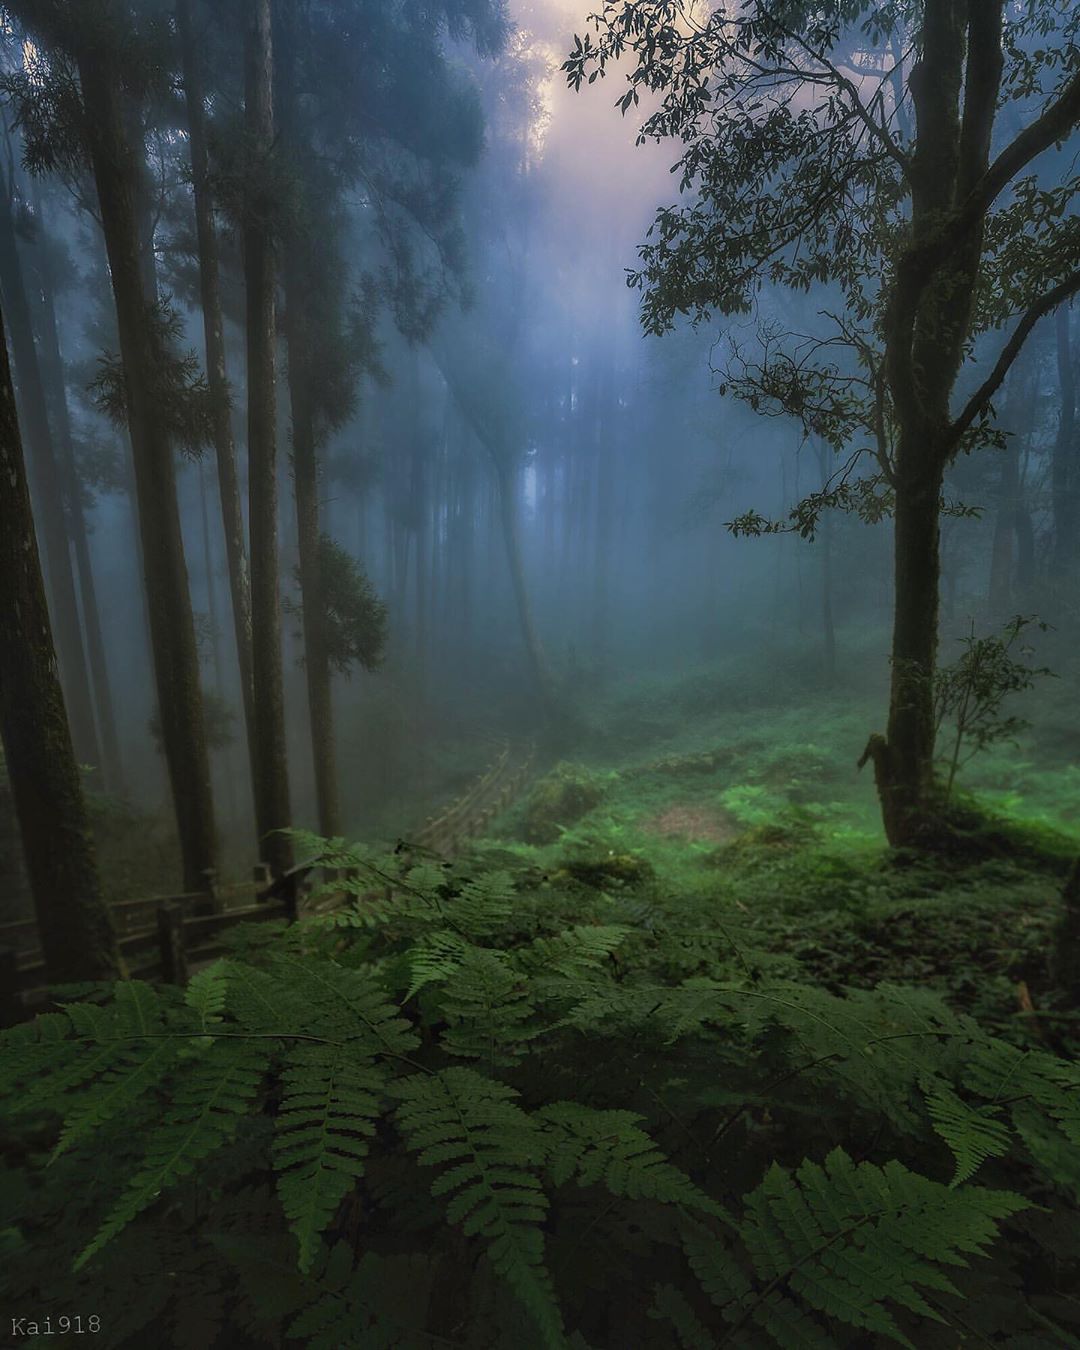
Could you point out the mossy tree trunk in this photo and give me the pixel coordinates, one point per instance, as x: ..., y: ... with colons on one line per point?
x: 272, y: 811
x: 117, y: 170
x: 49, y: 490
x: 74, y: 925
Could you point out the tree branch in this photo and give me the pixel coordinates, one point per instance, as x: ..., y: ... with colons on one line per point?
x: 980, y: 400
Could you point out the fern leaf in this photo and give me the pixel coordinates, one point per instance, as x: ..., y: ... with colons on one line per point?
x: 129, y: 1075
x: 487, y: 1005
x: 434, y: 959
x: 208, y: 1102
x: 331, y: 1100
x: 206, y: 993
x: 849, y: 1239
x: 609, y: 1147
x: 573, y: 953
x: 493, y: 1190
x: 972, y: 1133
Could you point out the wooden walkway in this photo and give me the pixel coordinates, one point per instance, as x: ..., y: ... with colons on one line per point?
x: 165, y: 937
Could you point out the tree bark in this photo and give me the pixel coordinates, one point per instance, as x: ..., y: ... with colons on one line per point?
x: 232, y: 514
x: 74, y: 925
x: 116, y: 170
x: 272, y: 812
x: 48, y: 490
x: 954, y: 87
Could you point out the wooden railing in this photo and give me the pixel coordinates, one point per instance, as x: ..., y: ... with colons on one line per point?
x: 468, y: 816
x: 165, y: 937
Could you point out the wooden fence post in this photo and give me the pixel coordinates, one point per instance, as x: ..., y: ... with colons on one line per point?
x: 211, y: 904
x: 170, y: 925
x: 11, y: 1008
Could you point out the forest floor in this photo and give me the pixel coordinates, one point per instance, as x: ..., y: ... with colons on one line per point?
x: 744, y: 800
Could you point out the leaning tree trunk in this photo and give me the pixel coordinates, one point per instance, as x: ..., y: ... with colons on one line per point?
x: 116, y: 170
x: 272, y: 813
x: 49, y: 490
x: 74, y: 925
x: 232, y: 514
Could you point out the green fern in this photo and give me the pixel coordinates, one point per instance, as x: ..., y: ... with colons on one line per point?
x: 845, y: 1241
x: 434, y: 959
x: 331, y: 1101
x: 206, y: 1108
x: 206, y: 994
x: 609, y: 1148
x: 972, y: 1133
x: 491, y: 1153
x: 573, y: 953
x: 487, y: 1006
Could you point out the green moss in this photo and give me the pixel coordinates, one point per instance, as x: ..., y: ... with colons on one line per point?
x: 616, y: 871
x: 558, y: 801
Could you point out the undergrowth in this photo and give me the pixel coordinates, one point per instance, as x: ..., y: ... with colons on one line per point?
x: 479, y: 1108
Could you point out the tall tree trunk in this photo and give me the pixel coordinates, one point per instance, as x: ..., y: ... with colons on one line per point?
x: 232, y: 514
x: 48, y: 490
x: 301, y: 299
x: 271, y: 766
x: 53, y: 369
x: 74, y: 925
x: 954, y: 87
x: 117, y: 169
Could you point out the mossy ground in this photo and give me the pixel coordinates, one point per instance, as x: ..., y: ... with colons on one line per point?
x: 755, y: 818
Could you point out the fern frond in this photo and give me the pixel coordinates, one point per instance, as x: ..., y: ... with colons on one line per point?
x: 329, y: 1001
x: 482, y: 906
x: 487, y: 1006
x: 434, y: 959
x: 847, y: 1240
x: 972, y: 1133
x: 206, y: 993
x: 609, y: 1148
x: 492, y: 1152
x: 131, y: 1072
x: 208, y: 1103
x: 331, y: 1101
x: 573, y: 953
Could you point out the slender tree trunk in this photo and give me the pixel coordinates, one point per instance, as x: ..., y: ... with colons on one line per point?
x: 116, y: 171
x: 828, y: 624
x: 49, y: 491
x: 74, y: 925
x: 1065, y: 470
x: 232, y: 514
x: 271, y: 767
x: 508, y: 517
x: 53, y: 367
